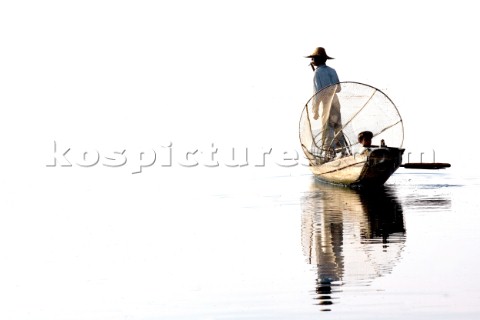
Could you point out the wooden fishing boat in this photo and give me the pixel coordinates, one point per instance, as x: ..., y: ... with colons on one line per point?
x: 329, y: 127
x: 372, y: 168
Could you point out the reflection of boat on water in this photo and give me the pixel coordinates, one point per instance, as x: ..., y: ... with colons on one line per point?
x: 351, y: 236
x: 330, y: 124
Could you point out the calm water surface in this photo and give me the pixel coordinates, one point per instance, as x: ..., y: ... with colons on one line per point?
x: 232, y: 244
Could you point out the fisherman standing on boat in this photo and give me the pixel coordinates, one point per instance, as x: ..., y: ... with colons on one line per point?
x: 325, y: 76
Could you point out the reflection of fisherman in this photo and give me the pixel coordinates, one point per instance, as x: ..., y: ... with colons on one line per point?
x: 331, y: 117
x: 352, y: 236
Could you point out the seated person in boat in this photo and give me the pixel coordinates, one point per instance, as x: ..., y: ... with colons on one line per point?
x: 365, y: 139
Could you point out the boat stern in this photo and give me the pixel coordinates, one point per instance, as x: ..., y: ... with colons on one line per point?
x: 381, y: 164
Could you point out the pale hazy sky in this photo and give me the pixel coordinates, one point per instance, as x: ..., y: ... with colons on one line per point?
x: 145, y: 72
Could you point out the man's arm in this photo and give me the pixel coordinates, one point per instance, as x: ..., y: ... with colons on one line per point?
x: 336, y: 80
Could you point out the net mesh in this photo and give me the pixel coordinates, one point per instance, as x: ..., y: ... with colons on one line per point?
x: 334, y: 116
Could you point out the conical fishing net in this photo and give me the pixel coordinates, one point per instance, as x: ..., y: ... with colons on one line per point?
x: 335, y: 115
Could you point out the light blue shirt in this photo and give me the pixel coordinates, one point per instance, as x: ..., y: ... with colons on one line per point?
x: 323, y: 77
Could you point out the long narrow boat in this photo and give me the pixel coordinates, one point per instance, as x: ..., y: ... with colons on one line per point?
x: 329, y: 126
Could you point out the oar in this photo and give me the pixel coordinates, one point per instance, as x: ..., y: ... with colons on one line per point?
x: 425, y: 165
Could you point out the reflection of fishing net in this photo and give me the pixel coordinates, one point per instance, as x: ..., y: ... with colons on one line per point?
x: 335, y: 115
